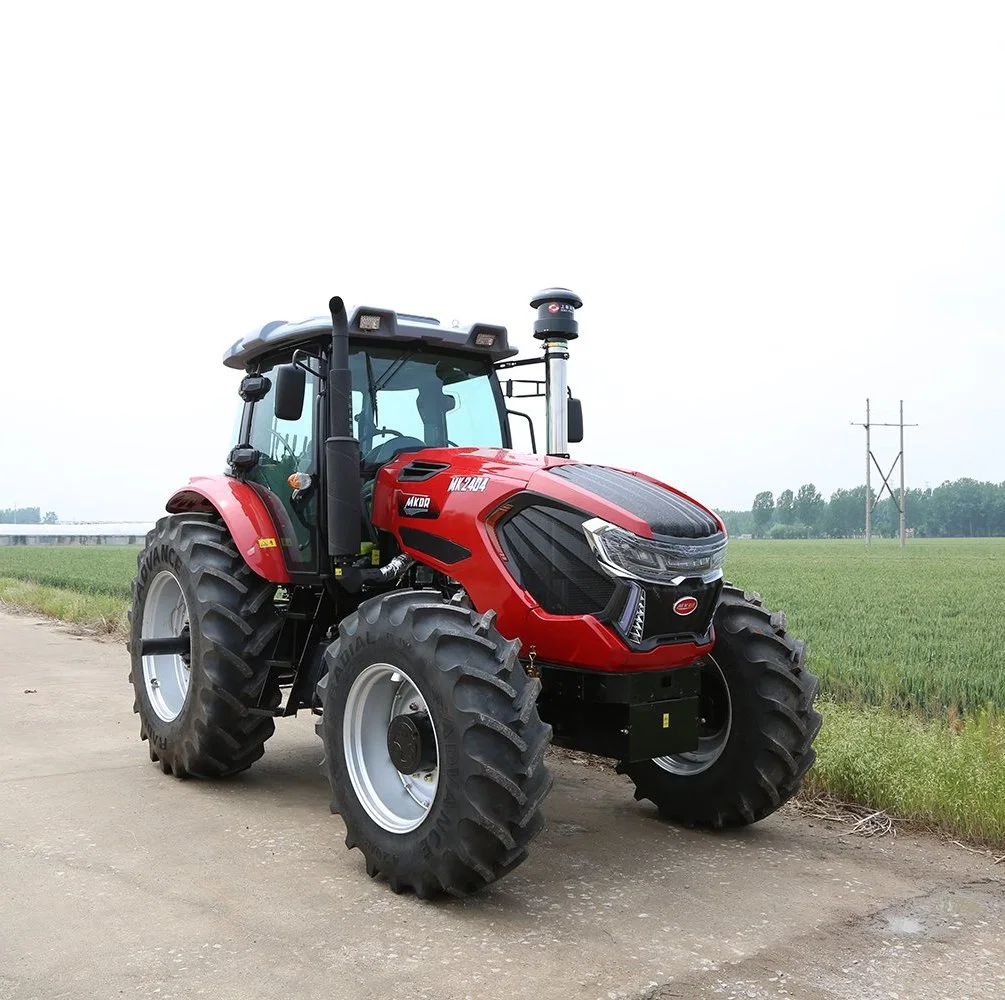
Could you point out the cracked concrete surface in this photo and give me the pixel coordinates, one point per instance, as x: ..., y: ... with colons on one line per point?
x: 119, y: 881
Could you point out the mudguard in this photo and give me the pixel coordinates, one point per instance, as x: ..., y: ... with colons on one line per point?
x: 246, y: 516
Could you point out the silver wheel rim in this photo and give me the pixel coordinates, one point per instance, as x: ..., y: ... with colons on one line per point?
x: 715, y: 731
x: 166, y: 676
x: 398, y: 803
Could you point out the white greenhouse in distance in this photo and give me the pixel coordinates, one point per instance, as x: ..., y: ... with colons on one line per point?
x: 110, y: 533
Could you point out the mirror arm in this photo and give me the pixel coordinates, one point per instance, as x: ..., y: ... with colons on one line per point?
x: 512, y: 393
x: 530, y: 424
x: 299, y: 360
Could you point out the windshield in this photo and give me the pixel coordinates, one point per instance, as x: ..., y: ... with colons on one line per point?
x: 416, y: 398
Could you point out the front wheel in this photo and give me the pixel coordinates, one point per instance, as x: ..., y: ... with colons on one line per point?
x: 758, y: 725
x: 433, y: 745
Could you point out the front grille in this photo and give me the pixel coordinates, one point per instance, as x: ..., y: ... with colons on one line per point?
x: 644, y: 613
x: 551, y: 559
x: 664, y: 624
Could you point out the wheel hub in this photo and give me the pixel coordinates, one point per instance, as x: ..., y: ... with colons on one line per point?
x: 165, y: 629
x: 411, y: 743
x: 390, y: 748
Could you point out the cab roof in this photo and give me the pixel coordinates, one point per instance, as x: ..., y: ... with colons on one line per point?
x: 383, y: 326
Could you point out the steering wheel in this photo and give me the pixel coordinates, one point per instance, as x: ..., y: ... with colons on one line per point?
x: 385, y: 451
x: 276, y: 436
x: 381, y: 431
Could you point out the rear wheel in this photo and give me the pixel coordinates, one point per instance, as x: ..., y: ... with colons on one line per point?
x: 758, y: 725
x: 200, y: 625
x: 433, y: 745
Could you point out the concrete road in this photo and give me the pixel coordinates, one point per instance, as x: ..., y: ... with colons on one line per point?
x: 120, y: 882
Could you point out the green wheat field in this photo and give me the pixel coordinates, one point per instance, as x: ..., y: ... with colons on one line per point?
x: 89, y: 569
x: 921, y: 628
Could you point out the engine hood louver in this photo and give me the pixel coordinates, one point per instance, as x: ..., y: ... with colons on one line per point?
x: 419, y: 470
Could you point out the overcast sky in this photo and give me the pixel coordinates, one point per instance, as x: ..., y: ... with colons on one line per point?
x: 770, y: 211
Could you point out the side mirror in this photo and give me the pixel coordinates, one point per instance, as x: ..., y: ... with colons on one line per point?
x: 291, y: 381
x: 575, y: 420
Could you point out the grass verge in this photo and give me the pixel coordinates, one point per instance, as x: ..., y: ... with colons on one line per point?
x: 99, y: 613
x: 947, y: 776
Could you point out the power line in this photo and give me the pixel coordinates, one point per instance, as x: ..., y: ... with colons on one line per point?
x: 870, y: 460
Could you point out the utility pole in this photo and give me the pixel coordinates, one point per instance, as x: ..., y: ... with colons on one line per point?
x: 868, y: 479
x: 903, y: 503
x: 870, y: 460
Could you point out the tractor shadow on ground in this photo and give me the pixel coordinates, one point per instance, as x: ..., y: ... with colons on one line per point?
x: 596, y: 835
x: 288, y: 774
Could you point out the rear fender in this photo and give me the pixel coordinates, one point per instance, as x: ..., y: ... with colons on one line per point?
x: 246, y: 517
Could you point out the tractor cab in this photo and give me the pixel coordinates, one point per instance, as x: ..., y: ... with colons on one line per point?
x: 414, y: 385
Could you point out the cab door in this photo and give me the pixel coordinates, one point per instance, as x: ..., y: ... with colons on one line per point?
x: 285, y: 447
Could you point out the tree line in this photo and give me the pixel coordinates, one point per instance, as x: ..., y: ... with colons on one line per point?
x: 26, y: 515
x: 965, y: 508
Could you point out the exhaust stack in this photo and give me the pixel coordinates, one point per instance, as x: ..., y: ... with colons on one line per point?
x: 342, y: 488
x: 555, y: 326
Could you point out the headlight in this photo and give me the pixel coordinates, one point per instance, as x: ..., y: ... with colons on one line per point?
x: 623, y: 554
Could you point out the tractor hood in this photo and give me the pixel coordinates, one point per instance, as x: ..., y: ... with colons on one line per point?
x: 546, y: 540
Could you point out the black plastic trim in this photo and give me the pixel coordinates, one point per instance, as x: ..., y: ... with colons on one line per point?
x: 436, y: 546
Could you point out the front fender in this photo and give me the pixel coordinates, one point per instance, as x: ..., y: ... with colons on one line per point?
x: 246, y: 516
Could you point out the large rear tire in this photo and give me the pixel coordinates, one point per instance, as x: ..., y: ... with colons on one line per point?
x: 433, y: 745
x: 758, y: 729
x: 198, y: 709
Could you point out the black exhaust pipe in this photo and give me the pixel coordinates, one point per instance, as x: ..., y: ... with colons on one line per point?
x: 342, y: 488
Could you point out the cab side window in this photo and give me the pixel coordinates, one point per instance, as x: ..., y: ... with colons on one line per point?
x: 287, y: 445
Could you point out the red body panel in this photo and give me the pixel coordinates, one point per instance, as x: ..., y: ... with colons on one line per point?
x: 246, y: 517
x: 579, y: 640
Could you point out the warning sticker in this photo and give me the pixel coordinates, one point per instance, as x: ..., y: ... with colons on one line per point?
x: 267, y: 543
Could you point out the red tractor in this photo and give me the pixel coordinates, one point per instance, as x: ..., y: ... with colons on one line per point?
x: 378, y: 554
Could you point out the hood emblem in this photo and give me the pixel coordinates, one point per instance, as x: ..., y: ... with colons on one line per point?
x: 417, y: 505
x: 685, y: 605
